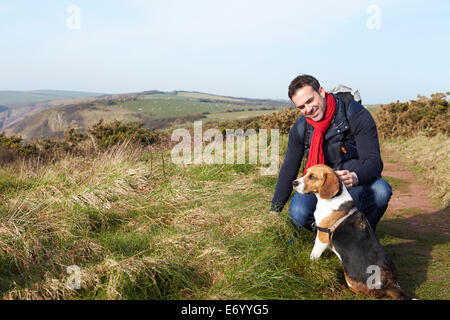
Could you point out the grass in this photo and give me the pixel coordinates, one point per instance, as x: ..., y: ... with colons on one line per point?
x: 138, y: 229
x: 429, y: 157
x: 163, y: 106
x: 419, y: 253
x: 396, y: 183
x: 222, y: 116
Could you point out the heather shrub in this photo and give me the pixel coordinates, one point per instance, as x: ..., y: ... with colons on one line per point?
x: 406, y: 119
x: 99, y: 137
x: 282, y: 120
x: 109, y: 134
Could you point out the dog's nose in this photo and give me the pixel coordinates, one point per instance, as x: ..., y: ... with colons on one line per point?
x: 295, y: 183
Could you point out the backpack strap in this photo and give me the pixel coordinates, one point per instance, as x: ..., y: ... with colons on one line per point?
x: 308, y: 135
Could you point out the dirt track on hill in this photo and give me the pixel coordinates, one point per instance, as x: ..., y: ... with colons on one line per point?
x: 411, y: 201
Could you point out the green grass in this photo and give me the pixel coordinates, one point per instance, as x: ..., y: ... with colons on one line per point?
x: 396, y: 183
x: 183, y: 104
x: 10, y: 183
x: 222, y: 116
x: 196, y: 232
x: 420, y: 255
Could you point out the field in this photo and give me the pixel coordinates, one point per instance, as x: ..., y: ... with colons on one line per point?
x: 163, y: 105
x: 140, y: 227
x: 222, y: 116
x: 125, y: 222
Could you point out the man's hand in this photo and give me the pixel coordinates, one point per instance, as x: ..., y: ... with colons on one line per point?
x: 348, y: 178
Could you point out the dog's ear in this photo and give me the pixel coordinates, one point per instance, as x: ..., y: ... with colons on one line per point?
x: 330, y: 186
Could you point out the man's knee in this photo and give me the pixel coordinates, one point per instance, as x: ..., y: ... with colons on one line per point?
x: 301, y: 210
x: 382, y: 192
x: 298, y: 217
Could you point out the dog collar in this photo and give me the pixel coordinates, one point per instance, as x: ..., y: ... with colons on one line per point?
x: 335, y: 225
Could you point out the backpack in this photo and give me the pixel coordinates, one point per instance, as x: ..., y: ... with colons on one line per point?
x: 347, y: 95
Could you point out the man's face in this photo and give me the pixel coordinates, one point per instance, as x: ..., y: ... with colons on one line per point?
x: 311, y: 103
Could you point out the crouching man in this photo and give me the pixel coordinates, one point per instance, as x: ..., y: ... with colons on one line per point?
x: 340, y: 133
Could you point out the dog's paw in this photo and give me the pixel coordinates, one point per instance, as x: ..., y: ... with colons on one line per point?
x: 315, y: 255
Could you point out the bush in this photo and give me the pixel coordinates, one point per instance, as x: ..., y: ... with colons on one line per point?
x: 282, y: 120
x: 12, y: 147
x: 115, y: 132
x: 103, y: 136
x: 405, y: 119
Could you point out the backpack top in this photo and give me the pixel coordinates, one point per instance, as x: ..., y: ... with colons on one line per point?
x: 342, y: 90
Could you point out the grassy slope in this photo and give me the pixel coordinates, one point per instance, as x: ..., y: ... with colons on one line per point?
x: 140, y: 227
x: 19, y: 98
x: 145, y: 107
x: 53, y: 122
x: 187, y: 103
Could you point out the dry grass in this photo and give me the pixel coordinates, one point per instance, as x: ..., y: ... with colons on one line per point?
x: 136, y: 226
x: 139, y: 227
x: 429, y: 156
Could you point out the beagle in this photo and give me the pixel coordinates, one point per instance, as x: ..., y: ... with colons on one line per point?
x: 368, y: 269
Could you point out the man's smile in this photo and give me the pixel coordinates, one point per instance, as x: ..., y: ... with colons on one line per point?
x: 313, y: 114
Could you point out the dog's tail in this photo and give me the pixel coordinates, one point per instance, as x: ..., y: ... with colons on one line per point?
x: 394, y: 291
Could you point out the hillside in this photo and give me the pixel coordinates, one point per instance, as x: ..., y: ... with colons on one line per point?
x: 23, y: 98
x: 16, y: 105
x: 155, y: 109
x: 53, y: 122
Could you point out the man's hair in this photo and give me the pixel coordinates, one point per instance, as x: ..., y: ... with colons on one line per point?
x: 301, y: 81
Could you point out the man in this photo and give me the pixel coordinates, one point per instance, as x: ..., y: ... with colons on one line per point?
x: 342, y: 135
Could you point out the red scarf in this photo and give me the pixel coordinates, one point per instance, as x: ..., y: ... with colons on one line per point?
x: 316, y: 147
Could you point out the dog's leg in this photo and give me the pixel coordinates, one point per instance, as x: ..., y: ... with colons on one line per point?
x: 319, y: 248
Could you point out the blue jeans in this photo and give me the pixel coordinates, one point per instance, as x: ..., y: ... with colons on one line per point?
x: 372, y: 200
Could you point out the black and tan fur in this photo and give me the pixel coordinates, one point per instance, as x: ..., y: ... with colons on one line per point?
x: 353, y: 240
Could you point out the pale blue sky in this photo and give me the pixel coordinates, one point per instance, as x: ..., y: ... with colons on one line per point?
x: 234, y: 47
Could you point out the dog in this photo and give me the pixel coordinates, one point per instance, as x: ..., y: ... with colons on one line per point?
x: 368, y: 269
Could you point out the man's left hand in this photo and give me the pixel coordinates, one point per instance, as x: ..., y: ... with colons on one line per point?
x: 348, y: 178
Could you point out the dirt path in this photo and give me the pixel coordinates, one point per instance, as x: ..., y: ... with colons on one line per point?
x: 411, y: 201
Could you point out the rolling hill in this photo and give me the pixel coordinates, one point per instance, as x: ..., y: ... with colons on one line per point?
x: 23, y: 98
x: 16, y: 105
x: 155, y: 109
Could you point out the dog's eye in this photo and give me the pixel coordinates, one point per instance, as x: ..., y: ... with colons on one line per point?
x: 311, y: 177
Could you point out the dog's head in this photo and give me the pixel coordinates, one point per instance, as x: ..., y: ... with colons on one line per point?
x: 319, y: 179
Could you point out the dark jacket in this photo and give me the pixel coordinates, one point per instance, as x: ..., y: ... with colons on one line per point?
x: 352, y: 128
